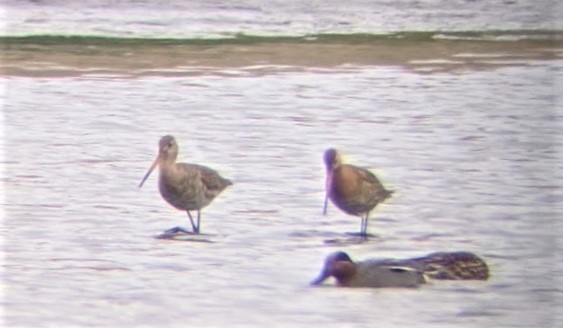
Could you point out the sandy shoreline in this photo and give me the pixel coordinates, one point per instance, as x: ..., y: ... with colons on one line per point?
x: 67, y: 60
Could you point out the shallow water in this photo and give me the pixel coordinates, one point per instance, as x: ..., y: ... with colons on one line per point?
x: 475, y: 158
x: 205, y: 19
x: 465, y: 127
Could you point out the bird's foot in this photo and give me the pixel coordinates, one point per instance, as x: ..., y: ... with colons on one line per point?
x: 360, y: 235
x: 172, y: 232
x: 178, y: 230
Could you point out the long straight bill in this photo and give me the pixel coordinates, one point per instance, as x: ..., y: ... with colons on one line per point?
x: 328, y: 183
x: 154, y: 164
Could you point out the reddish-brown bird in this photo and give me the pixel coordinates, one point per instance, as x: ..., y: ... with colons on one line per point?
x: 188, y: 187
x: 352, y: 189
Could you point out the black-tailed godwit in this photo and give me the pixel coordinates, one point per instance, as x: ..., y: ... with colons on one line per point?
x: 188, y: 187
x: 352, y: 189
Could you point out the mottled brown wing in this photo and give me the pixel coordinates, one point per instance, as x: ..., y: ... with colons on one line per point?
x: 452, y: 265
x: 211, y: 179
x: 372, y: 185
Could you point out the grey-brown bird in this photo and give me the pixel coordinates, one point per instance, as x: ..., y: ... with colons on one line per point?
x: 402, y: 273
x: 354, y: 190
x: 188, y: 187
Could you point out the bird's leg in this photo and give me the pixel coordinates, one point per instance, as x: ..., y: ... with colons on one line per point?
x: 194, y: 227
x: 198, y: 220
x: 365, y: 225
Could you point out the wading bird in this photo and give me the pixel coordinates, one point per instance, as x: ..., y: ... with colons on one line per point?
x: 352, y: 189
x: 188, y: 187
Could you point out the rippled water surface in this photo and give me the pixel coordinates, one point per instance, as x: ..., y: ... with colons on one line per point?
x: 200, y: 18
x: 475, y: 158
x: 458, y: 110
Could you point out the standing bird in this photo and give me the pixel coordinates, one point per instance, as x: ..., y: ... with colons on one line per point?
x: 352, y: 189
x: 402, y: 273
x: 188, y: 187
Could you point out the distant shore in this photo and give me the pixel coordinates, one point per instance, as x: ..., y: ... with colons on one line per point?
x: 37, y: 58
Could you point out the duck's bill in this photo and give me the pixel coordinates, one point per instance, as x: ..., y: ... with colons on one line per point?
x: 320, y: 279
x: 154, y: 164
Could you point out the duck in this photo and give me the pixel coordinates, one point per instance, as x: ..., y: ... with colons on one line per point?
x: 408, y: 273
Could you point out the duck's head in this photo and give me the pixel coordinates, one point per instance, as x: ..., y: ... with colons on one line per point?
x: 338, y: 265
x: 167, y: 153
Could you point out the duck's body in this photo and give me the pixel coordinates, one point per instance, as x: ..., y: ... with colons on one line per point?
x: 402, y: 273
x: 354, y: 190
x: 188, y: 187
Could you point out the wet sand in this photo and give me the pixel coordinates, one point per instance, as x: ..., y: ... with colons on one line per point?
x: 130, y: 59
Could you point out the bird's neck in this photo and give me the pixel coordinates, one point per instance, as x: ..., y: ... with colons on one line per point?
x: 344, y: 272
x: 168, y: 164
